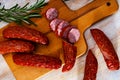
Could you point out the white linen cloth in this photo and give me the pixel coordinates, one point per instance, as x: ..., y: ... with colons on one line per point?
x: 5, y: 72
x: 111, y: 27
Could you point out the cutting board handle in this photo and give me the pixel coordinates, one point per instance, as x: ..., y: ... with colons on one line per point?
x: 97, y: 14
x: 85, y: 9
x: 69, y: 15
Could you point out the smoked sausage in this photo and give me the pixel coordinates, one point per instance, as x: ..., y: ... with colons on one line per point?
x: 54, y: 23
x: 91, y: 67
x: 35, y: 60
x: 9, y: 46
x: 25, y: 33
x: 70, y: 52
x: 62, y: 25
x: 107, y: 49
x: 73, y: 35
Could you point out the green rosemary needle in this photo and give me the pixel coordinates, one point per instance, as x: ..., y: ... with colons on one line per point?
x: 19, y: 14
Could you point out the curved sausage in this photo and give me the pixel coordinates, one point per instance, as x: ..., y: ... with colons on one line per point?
x: 70, y: 53
x: 91, y: 67
x: 25, y: 33
x: 35, y: 60
x: 51, y: 14
x: 107, y: 49
x: 9, y: 46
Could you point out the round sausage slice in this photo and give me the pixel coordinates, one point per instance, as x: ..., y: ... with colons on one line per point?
x: 62, y: 25
x: 51, y: 14
x: 54, y: 23
x: 73, y: 35
x: 65, y: 31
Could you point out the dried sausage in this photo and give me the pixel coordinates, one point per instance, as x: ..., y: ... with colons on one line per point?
x: 51, y: 14
x: 25, y: 33
x: 91, y: 67
x: 35, y: 60
x: 107, y: 49
x: 70, y: 53
x: 15, y: 46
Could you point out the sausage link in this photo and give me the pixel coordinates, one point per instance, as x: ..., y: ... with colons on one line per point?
x: 25, y: 33
x: 107, y: 49
x: 91, y: 67
x: 35, y: 60
x: 69, y: 56
x: 15, y: 46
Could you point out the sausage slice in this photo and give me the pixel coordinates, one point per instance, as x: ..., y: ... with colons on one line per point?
x: 51, y: 14
x: 65, y: 31
x: 54, y: 23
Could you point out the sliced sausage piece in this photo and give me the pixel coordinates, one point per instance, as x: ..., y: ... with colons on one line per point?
x: 106, y: 48
x: 51, y: 14
x: 35, y: 60
x: 91, y: 67
x: 9, y: 46
x: 25, y: 33
x: 65, y: 31
x: 54, y: 23
x: 73, y: 35
x: 70, y: 53
x: 62, y: 25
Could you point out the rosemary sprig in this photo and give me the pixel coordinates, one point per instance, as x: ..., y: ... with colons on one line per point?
x: 19, y: 14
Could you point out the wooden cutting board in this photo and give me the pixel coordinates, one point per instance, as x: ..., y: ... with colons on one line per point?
x: 82, y: 18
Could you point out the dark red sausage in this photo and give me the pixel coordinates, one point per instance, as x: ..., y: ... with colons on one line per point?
x: 36, y: 60
x: 51, y: 14
x: 25, y: 33
x: 15, y: 46
x: 70, y: 52
x: 91, y: 67
x: 106, y: 48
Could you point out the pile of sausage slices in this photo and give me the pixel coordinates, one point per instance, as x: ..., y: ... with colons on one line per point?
x: 21, y: 41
